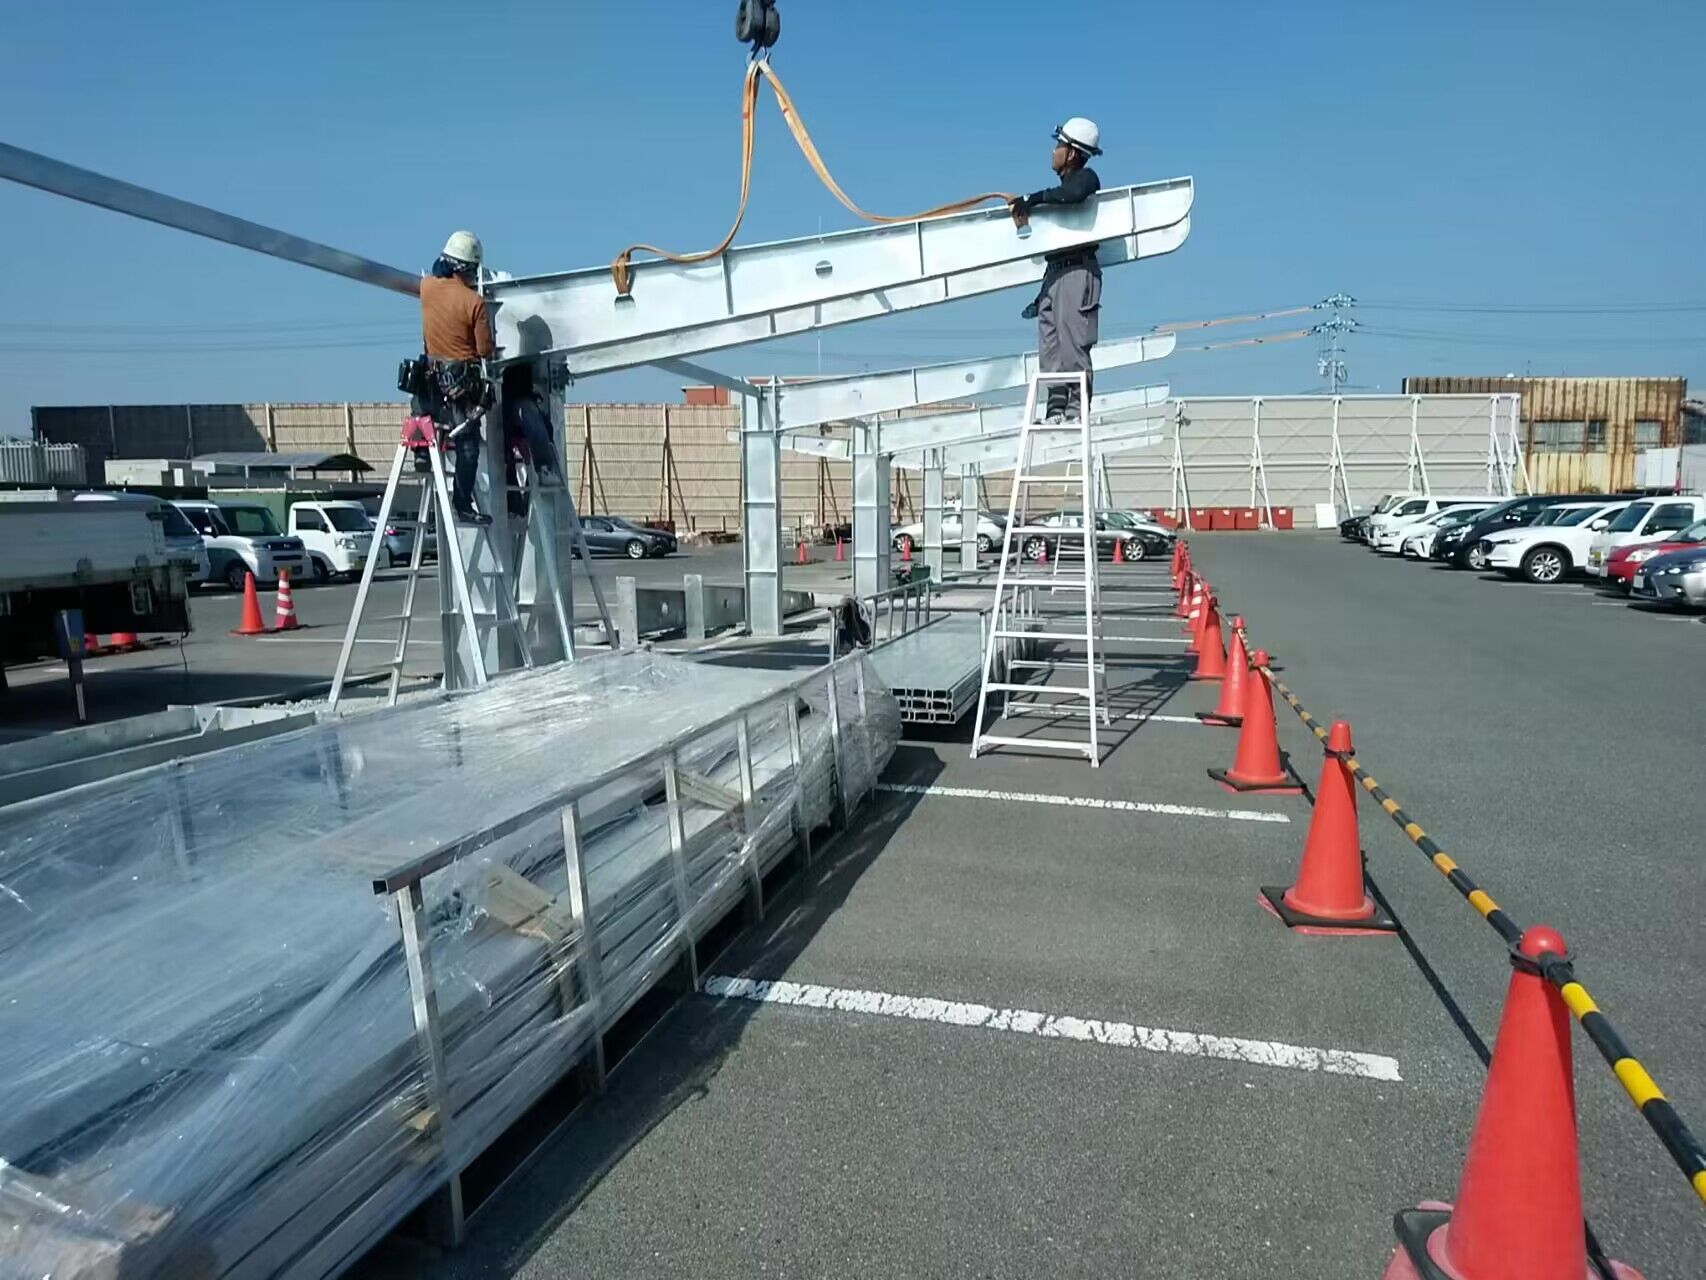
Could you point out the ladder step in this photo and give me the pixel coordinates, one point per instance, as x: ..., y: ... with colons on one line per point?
x: 996, y: 740
x: 1064, y: 690
x: 1052, y: 531
x: 1003, y: 633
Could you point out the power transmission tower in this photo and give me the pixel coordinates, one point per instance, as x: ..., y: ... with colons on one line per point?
x: 1330, y: 363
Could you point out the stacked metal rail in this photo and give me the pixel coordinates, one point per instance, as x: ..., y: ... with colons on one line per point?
x: 259, y: 1005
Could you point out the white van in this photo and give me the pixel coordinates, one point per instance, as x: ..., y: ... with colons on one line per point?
x: 183, y: 544
x: 1642, y: 521
x: 337, y: 533
x: 241, y: 539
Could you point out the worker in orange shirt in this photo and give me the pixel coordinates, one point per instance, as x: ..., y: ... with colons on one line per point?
x: 457, y: 330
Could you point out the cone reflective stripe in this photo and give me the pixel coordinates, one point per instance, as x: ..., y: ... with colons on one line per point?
x: 285, y: 618
x: 1256, y: 764
x: 1210, y: 648
x: 251, y: 625
x: 1230, y: 709
x: 1329, y: 895
x: 1519, y: 1198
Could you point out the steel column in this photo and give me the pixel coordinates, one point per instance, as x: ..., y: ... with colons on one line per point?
x: 933, y: 513
x: 761, y: 510
x: 968, y: 517
x: 870, y: 511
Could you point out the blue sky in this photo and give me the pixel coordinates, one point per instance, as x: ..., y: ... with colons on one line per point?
x: 1537, y: 160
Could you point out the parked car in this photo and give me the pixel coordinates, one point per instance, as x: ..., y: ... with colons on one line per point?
x: 1623, y: 563
x: 615, y: 536
x: 398, y: 539
x: 1411, y: 508
x: 1643, y: 520
x: 1389, y: 537
x: 183, y: 544
x: 989, y: 527
x: 1554, y: 546
x: 1677, y: 578
x: 243, y: 538
x: 1461, y: 546
x: 1418, y: 539
x: 1355, y: 525
x: 1141, y: 524
x: 1135, y: 544
x: 337, y: 535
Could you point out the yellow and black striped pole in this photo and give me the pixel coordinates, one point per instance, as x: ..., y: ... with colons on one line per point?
x: 1655, y: 1108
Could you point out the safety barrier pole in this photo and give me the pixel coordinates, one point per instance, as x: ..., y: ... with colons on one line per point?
x: 1676, y: 1137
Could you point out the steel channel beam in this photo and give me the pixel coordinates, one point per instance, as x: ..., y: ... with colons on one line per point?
x: 761, y: 512
x: 870, y: 510
x: 754, y: 292
x: 933, y: 514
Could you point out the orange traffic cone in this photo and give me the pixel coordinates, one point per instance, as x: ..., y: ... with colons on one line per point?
x: 1198, y: 615
x: 800, y: 554
x: 1174, y: 564
x: 1211, y: 649
x: 840, y: 551
x: 1519, y: 1197
x: 1256, y: 764
x: 1182, y: 609
x: 1119, y: 551
x: 285, y: 619
x: 251, y: 625
x: 1042, y: 553
x: 125, y: 642
x: 91, y: 645
x: 1230, y: 709
x: 1329, y: 895
x: 906, y: 550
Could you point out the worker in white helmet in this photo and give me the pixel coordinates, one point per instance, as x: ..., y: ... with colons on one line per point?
x: 457, y: 330
x: 1068, y: 307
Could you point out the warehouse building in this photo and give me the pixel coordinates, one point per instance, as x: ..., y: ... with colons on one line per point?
x: 1581, y: 435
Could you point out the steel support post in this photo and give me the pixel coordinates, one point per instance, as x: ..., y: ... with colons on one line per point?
x: 968, y: 517
x: 761, y: 510
x: 870, y: 511
x: 544, y: 586
x: 933, y: 513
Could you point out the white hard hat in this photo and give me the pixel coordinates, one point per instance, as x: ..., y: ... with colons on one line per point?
x: 1081, y: 133
x: 464, y: 246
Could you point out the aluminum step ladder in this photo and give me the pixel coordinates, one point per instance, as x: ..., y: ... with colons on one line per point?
x: 1086, y: 701
x: 548, y: 524
x: 434, y: 517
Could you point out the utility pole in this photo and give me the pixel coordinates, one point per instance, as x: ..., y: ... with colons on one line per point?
x: 1330, y: 364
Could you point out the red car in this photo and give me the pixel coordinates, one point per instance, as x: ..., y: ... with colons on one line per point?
x: 1622, y: 564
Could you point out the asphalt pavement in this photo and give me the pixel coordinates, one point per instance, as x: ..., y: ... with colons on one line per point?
x: 1041, y: 1025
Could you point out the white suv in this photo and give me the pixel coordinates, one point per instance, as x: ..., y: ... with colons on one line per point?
x: 1554, y: 546
x: 1642, y: 521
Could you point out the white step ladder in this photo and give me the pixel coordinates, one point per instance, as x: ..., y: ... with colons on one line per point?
x: 434, y: 517
x: 1087, y: 700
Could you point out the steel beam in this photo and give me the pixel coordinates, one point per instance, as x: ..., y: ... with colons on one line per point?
x: 999, y: 455
x: 761, y: 511
x: 870, y: 510
x: 754, y: 292
x: 68, y: 180
x: 992, y: 421
x: 857, y: 395
x: 969, y: 509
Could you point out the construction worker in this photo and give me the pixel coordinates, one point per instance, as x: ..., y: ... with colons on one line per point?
x: 457, y: 331
x: 1069, y: 305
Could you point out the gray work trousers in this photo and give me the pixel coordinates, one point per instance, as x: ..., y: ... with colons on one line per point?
x: 1069, y: 312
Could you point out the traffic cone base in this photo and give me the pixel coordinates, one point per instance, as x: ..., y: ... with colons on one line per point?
x: 1215, y: 718
x: 1282, y: 784
x: 1421, y: 1245
x: 1373, y: 925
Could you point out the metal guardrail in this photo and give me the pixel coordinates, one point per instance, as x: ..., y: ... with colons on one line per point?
x: 1667, y: 1125
x: 404, y: 883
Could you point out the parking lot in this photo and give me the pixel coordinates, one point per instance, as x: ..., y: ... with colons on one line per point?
x: 1040, y: 1025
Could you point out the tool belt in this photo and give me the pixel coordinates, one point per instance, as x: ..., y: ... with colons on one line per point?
x: 445, y: 389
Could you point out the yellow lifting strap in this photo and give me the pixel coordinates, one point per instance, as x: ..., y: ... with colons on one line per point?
x: 621, y: 269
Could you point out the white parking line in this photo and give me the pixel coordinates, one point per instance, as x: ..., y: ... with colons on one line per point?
x: 1115, y: 1035
x: 934, y: 791
x: 330, y: 640
x: 1146, y: 717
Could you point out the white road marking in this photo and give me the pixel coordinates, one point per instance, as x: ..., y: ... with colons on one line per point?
x: 1079, y: 802
x: 1118, y: 1035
